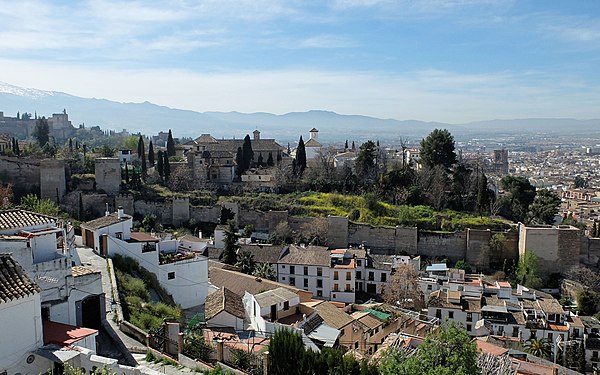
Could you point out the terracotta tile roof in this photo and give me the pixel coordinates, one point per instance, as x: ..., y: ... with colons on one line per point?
x: 14, y: 282
x: 492, y: 349
x: 224, y: 300
x: 81, y: 271
x: 312, y: 143
x: 264, y: 253
x: 143, y: 237
x: 64, y: 334
x: 333, y: 316
x: 240, y: 283
x: 15, y: 219
x: 104, y: 221
x: 310, y: 255
x: 367, y: 319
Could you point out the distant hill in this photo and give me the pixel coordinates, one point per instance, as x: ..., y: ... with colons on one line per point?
x: 150, y: 118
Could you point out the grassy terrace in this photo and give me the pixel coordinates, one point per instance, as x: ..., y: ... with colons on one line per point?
x: 366, y: 209
x: 135, y: 284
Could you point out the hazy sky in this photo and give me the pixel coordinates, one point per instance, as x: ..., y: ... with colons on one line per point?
x: 439, y: 60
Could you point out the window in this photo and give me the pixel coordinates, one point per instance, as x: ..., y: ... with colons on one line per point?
x: 292, y: 281
x: 438, y: 313
x: 119, y: 235
x: 292, y: 269
x: 429, y: 287
x: 306, y: 270
x: 371, y: 276
x: 469, y: 317
x: 319, y: 293
x: 286, y: 306
x: 171, y: 275
x: 335, y: 287
x: 358, y: 275
x: 451, y: 314
x: 319, y: 283
x: 359, y: 262
x: 595, y: 355
x: 319, y: 271
x: 348, y: 289
x: 348, y: 276
x: 468, y: 327
x: 550, y: 336
x: 283, y: 278
x: 383, y: 277
x: 148, y: 248
x: 306, y: 283
x: 335, y: 275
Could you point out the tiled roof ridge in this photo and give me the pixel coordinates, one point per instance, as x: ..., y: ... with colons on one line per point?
x: 14, y: 282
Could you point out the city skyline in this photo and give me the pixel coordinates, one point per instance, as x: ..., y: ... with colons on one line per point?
x: 450, y: 61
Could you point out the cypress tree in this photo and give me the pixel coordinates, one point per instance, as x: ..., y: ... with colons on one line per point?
x: 278, y: 157
x: 239, y: 160
x: 151, y: 154
x: 301, y: 156
x: 260, y: 160
x: 170, y: 144
x: 80, y: 207
x: 70, y: 144
x: 353, y: 146
x: 346, y: 145
x: 229, y: 254
x: 126, y: 173
x: 12, y: 146
x: 17, y: 149
x: 270, y: 161
x: 160, y: 164
x: 142, y: 154
x: 247, y: 153
x: 166, y: 167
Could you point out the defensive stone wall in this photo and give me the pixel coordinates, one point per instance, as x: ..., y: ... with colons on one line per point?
x: 479, y: 253
x: 108, y: 175
x: 22, y: 173
x: 558, y: 247
x: 451, y: 245
x: 381, y: 240
x: 162, y: 210
x: 337, y: 231
x: 53, y: 183
x: 181, y: 211
x: 206, y: 214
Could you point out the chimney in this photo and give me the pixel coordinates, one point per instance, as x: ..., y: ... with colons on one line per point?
x: 120, y: 212
x: 107, y: 212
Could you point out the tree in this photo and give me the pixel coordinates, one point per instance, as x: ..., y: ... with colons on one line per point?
x: 247, y: 153
x: 282, y: 234
x: 286, y: 345
x: 483, y: 198
x: 527, y: 271
x: 544, y: 207
x: 166, y: 167
x: 300, y: 157
x: 229, y: 255
x: 447, y: 351
x: 580, y: 182
x: 6, y: 195
x: 538, y: 347
x: 438, y: 149
x: 126, y: 173
x: 346, y: 145
x: 587, y: 302
x: 106, y: 151
x: 521, y: 195
x: 160, y: 164
x: 151, y: 154
x: 462, y: 265
x: 365, y: 163
x: 142, y: 154
x: 260, y: 161
x: 239, y: 160
x: 264, y: 271
x: 245, y: 262
x: 41, y: 133
x: 402, y: 289
x: 43, y: 206
x: 170, y: 144
x: 270, y: 161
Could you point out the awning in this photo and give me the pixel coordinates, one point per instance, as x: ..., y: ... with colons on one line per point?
x: 57, y: 354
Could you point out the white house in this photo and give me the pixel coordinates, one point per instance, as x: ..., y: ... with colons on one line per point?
x: 181, y: 270
x: 224, y: 308
x: 68, y: 295
x: 20, y: 314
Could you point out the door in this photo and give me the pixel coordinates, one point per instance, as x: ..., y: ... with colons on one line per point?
x: 273, y: 313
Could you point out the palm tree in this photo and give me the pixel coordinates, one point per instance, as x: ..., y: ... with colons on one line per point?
x: 264, y: 271
x: 538, y: 347
x: 245, y: 262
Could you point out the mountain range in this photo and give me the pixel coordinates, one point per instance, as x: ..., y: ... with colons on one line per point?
x: 149, y: 118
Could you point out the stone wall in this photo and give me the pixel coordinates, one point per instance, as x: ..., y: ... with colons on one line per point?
x: 273, y: 218
x: 162, y: 210
x: 22, y: 173
x: 557, y: 247
x: 589, y: 253
x: 337, y: 231
x: 206, y: 214
x: 125, y: 201
x: 252, y: 217
x: 407, y: 240
x: 479, y: 254
x: 180, y: 211
x: 442, y: 245
x: 53, y: 183
x: 381, y: 240
x: 108, y: 175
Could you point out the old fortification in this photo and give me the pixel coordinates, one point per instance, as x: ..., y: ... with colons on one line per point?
x: 557, y: 247
x: 53, y: 181
x: 22, y: 173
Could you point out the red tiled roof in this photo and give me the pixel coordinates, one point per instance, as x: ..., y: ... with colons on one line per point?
x: 494, y: 350
x: 14, y: 282
x: 64, y: 334
x: 143, y: 237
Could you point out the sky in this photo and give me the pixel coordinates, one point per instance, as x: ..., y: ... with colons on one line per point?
x: 440, y: 60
